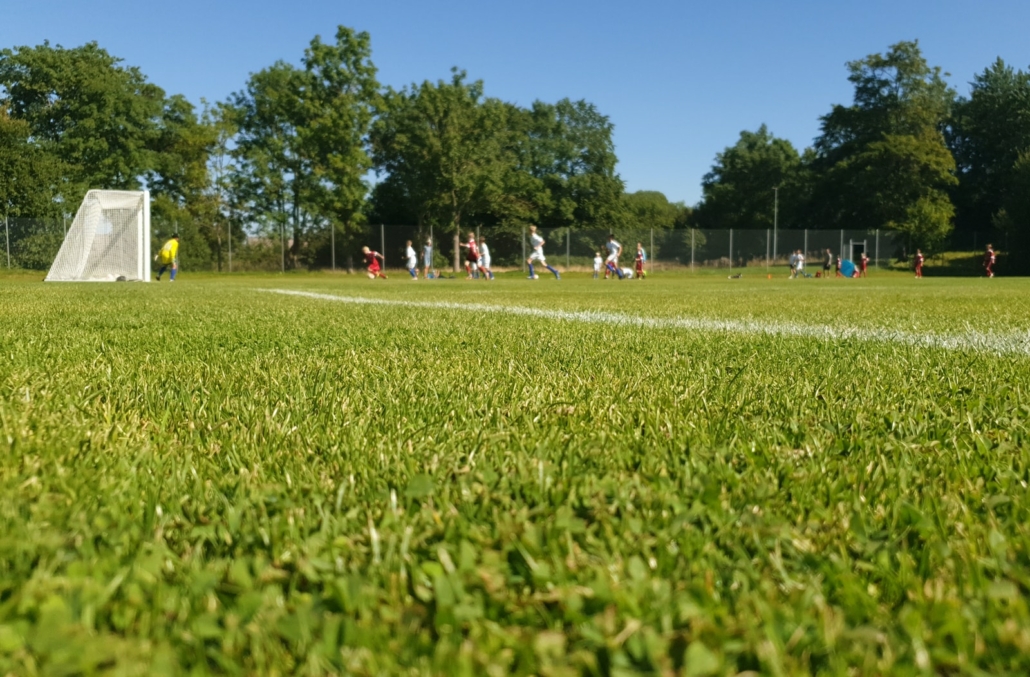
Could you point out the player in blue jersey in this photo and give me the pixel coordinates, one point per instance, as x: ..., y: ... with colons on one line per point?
x: 537, y: 243
x: 612, y: 262
x: 427, y: 259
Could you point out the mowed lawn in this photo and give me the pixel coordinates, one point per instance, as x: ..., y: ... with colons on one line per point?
x: 206, y: 477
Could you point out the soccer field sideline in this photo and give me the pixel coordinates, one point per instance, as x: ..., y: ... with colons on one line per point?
x: 1009, y: 343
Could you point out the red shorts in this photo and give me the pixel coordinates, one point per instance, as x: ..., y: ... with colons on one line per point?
x: 640, y: 266
x: 374, y: 267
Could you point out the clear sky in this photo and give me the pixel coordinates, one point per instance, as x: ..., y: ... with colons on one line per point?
x: 680, y: 80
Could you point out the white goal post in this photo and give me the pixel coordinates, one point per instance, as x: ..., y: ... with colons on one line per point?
x: 109, y: 239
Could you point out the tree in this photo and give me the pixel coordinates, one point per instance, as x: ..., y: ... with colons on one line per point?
x: 651, y: 209
x: 30, y: 177
x: 568, y: 148
x: 449, y: 147
x: 989, y: 130
x: 738, y: 191
x: 95, y: 115
x: 301, y: 142
x: 883, y: 162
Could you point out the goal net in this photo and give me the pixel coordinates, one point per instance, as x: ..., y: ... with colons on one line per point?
x: 108, y: 240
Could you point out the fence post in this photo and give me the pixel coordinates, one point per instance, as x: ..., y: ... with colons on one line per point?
x: 877, y: 248
x: 7, y: 235
x: 282, y: 244
x: 731, y: 249
x: 523, y: 249
x: 568, y: 247
x: 840, y: 252
x: 650, y: 261
x: 228, y: 228
x: 767, y: 249
x: 692, y: 250
x: 805, y: 253
x: 382, y: 243
x: 64, y: 222
x: 332, y: 243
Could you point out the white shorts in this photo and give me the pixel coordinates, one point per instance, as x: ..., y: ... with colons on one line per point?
x: 411, y: 264
x: 484, y: 262
x: 538, y: 255
x: 612, y: 258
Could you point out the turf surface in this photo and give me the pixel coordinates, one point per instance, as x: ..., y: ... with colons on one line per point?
x: 210, y: 478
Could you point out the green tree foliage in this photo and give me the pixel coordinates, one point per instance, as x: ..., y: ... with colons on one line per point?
x: 989, y: 131
x: 651, y: 209
x: 95, y: 115
x: 738, y: 191
x: 883, y: 162
x: 447, y: 150
x: 1013, y: 218
x: 30, y: 178
x: 300, y: 148
x: 567, y: 147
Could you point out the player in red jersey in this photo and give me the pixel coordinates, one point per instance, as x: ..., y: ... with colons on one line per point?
x: 640, y: 260
x: 372, y: 258
x: 919, y: 264
x: 989, y: 261
x: 471, y: 257
x: 863, y: 263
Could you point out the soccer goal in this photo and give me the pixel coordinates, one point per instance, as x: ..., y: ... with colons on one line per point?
x: 109, y: 239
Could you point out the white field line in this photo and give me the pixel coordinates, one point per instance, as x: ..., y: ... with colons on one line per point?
x: 1009, y: 343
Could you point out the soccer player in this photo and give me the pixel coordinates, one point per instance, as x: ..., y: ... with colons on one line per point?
x: 919, y: 264
x: 828, y: 263
x: 484, y: 259
x: 372, y: 258
x: 837, y: 268
x: 989, y: 261
x: 427, y: 259
x: 471, y: 257
x: 863, y: 263
x: 612, y: 262
x: 640, y: 259
x: 168, y: 257
x: 793, y: 264
x: 800, y: 264
x: 597, y: 264
x: 537, y: 243
x: 411, y: 260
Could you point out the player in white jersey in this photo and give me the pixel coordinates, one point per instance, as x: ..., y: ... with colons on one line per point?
x: 484, y: 259
x: 411, y: 260
x: 597, y: 264
x: 612, y: 262
x: 537, y: 243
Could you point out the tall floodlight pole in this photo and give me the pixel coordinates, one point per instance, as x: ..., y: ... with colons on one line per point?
x: 7, y: 235
x: 332, y: 243
x: 282, y: 245
x: 228, y: 227
x: 776, y: 217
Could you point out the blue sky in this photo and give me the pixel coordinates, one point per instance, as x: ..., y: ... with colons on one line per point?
x: 680, y: 80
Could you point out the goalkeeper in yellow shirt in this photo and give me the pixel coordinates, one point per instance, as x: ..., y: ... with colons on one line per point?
x: 168, y: 257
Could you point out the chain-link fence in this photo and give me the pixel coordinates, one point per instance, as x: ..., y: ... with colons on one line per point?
x: 33, y: 244
x: 664, y: 249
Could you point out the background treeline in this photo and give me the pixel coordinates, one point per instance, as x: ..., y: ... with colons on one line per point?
x: 908, y: 154
x: 292, y: 154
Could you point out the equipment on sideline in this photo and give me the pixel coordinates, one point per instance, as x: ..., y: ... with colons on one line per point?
x: 109, y: 239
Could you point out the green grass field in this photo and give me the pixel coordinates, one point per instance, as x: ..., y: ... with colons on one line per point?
x: 208, y: 478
